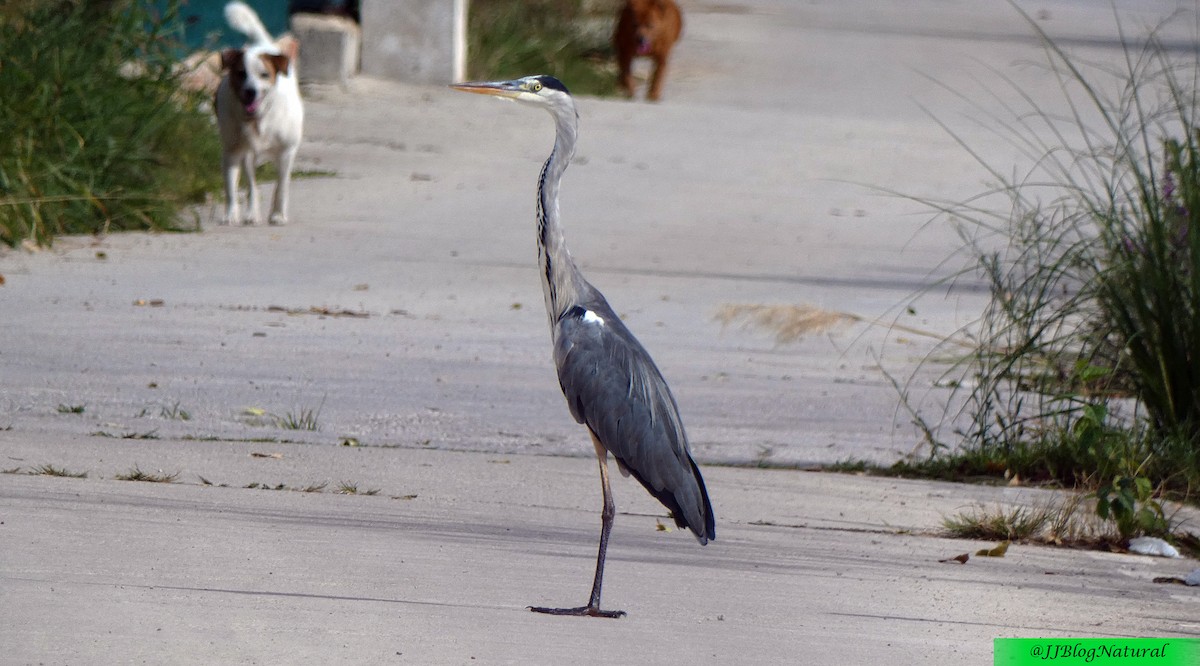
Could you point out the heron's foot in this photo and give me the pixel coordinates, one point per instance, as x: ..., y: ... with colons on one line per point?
x: 590, y: 611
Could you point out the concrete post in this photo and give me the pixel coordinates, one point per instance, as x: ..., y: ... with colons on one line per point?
x: 418, y: 41
x: 328, y: 48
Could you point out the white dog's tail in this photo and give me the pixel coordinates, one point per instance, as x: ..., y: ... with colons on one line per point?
x: 243, y: 19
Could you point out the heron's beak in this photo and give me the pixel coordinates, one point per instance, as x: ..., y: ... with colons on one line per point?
x: 506, y: 89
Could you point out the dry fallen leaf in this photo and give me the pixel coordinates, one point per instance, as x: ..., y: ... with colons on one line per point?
x: 961, y: 559
x: 276, y: 456
x: 998, y: 551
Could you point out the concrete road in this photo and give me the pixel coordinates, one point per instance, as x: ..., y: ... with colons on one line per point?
x: 437, y: 568
x: 401, y: 313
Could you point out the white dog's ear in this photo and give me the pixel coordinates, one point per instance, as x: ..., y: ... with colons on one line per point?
x: 289, y: 46
x: 231, y: 57
x: 278, y: 62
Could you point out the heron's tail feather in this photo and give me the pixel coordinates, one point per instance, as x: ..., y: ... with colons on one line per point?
x: 688, y: 513
x: 710, y: 521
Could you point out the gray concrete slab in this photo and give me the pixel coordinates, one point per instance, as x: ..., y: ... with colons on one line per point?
x: 416, y: 41
x: 438, y: 566
x: 751, y: 183
x: 331, y: 46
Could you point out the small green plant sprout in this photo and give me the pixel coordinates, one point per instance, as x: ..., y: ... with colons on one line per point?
x: 174, y: 412
x: 1130, y: 503
x: 301, y: 419
x: 348, y: 488
x: 1060, y: 520
x: 136, y: 474
x: 71, y: 409
x: 151, y: 434
x: 1018, y: 523
x: 51, y: 470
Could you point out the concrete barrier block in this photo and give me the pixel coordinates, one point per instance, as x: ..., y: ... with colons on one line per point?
x: 417, y: 41
x: 329, y: 47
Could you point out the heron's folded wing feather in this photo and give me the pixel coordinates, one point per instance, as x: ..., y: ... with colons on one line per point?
x: 613, y: 386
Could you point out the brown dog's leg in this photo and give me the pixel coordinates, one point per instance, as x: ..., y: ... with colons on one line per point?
x: 625, y: 44
x: 660, y: 68
x: 625, y: 66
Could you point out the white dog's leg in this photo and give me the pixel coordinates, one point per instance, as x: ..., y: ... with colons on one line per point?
x: 230, y: 166
x: 279, y: 205
x: 254, y: 216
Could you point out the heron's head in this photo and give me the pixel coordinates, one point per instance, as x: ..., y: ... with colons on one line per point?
x: 544, y: 91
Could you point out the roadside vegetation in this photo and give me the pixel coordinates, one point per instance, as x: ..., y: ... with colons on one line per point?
x: 137, y: 474
x: 1086, y: 369
x: 98, y: 135
x: 568, y: 39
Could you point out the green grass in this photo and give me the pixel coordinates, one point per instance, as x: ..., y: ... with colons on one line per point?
x: 300, y: 419
x: 174, y: 412
x: 1017, y: 523
x: 1086, y: 373
x: 152, y: 434
x: 136, y: 474
x: 266, y: 172
x: 568, y: 39
x: 88, y: 148
x: 51, y: 470
x: 71, y: 409
x: 310, y: 488
x: 348, y: 488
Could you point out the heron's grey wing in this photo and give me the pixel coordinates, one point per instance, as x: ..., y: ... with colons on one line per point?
x: 612, y: 385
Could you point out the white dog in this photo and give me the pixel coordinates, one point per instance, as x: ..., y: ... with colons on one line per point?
x: 259, y: 112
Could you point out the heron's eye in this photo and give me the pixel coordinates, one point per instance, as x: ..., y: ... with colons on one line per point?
x: 537, y: 86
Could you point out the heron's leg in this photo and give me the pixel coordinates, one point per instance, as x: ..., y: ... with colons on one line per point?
x: 606, y: 518
x: 606, y: 523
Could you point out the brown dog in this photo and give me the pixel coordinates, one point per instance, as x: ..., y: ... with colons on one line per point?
x: 646, y: 28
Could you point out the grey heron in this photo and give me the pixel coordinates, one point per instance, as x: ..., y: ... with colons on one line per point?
x: 609, y: 380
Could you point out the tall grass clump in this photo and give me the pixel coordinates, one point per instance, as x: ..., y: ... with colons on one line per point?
x: 568, y: 39
x: 1087, y: 371
x: 97, y: 133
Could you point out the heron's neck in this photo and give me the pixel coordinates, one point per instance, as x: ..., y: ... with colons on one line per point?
x: 562, y: 282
